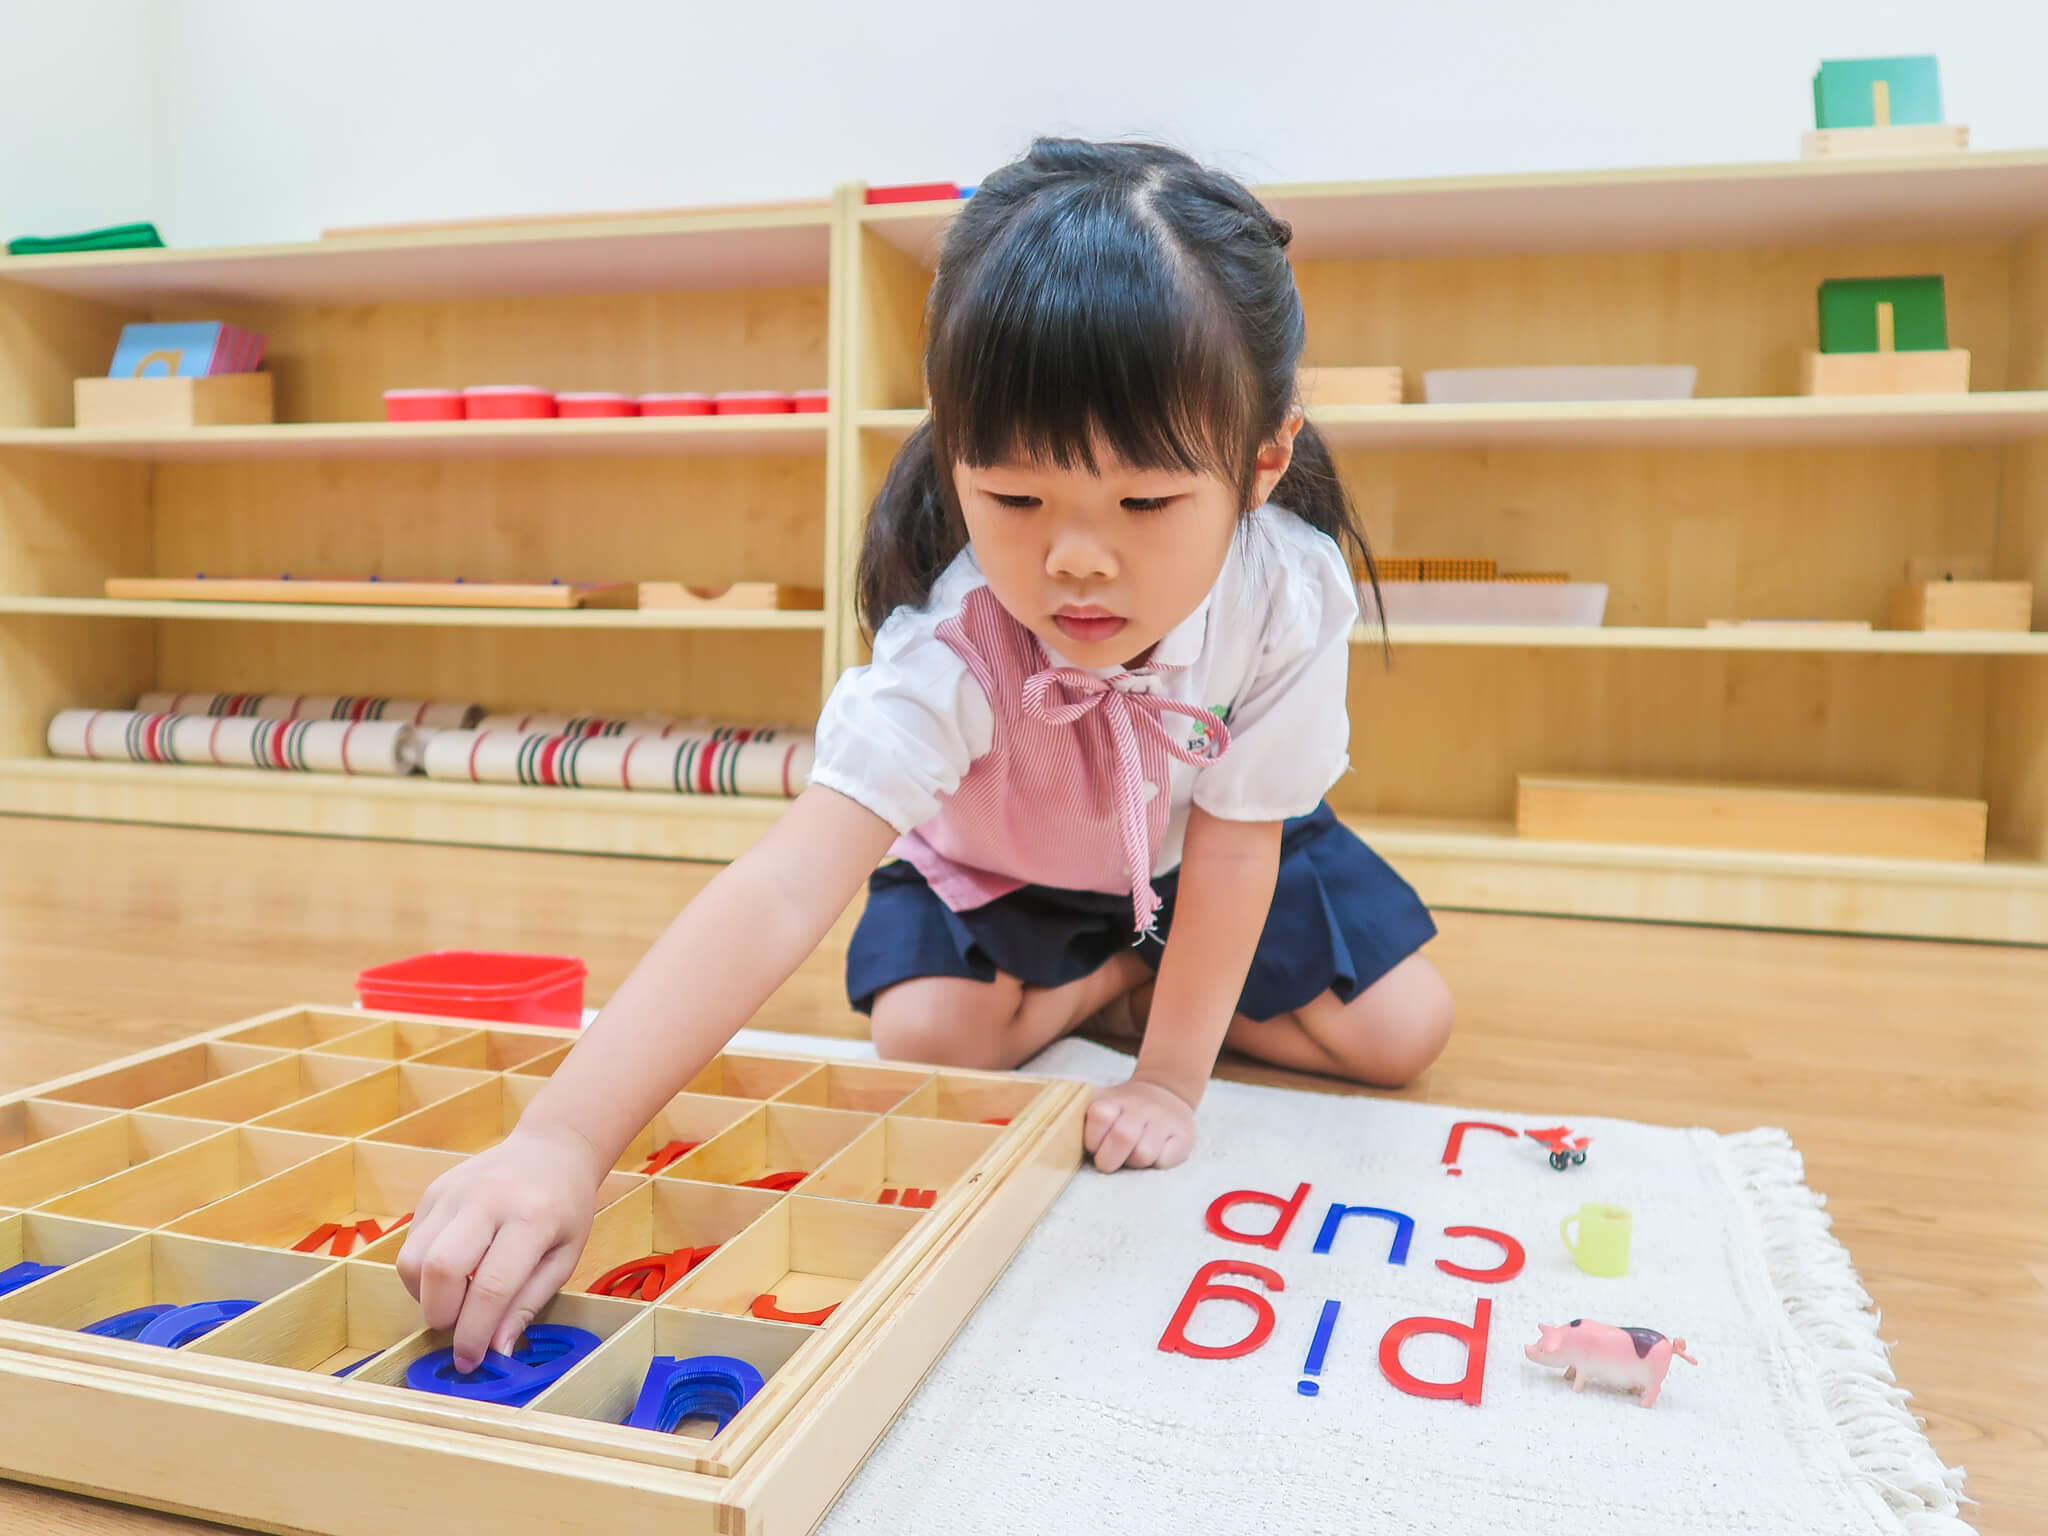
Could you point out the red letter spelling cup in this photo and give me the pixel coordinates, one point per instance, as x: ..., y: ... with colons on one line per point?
x: 1288, y: 1209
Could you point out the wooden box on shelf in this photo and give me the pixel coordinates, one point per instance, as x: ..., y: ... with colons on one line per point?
x: 1945, y: 372
x: 1350, y: 386
x: 1976, y: 605
x: 1676, y: 813
x: 218, y: 400
x: 1884, y: 143
x: 740, y: 595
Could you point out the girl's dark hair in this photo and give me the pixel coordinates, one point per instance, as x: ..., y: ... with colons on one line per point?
x: 1089, y: 294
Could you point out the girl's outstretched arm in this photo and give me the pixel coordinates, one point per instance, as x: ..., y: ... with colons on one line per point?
x: 1227, y: 872
x: 494, y: 1238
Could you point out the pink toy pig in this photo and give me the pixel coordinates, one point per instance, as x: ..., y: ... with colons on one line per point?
x: 1636, y: 1358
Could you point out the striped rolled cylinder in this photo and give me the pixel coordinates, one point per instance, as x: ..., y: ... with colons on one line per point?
x: 389, y: 748
x: 440, y: 713
x: 555, y: 723
x: 686, y: 765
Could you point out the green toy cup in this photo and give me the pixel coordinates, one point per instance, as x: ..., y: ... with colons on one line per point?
x: 1599, y: 1246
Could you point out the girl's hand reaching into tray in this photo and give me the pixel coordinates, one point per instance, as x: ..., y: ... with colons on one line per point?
x: 495, y: 1238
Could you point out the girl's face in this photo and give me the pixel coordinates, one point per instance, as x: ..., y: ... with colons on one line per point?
x: 1101, y: 566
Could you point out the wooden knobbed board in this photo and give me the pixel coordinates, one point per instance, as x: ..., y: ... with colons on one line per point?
x: 401, y: 594
x: 1676, y: 813
x: 192, y: 1172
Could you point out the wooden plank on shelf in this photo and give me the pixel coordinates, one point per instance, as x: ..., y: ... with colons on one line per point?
x: 1701, y: 814
x: 1852, y: 626
x: 1724, y: 421
x: 485, y: 224
x: 376, y: 593
x: 739, y: 595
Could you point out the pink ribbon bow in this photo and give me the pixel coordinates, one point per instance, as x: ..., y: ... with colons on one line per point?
x: 1124, y: 711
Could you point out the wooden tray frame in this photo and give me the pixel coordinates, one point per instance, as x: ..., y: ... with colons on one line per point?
x: 228, y: 1439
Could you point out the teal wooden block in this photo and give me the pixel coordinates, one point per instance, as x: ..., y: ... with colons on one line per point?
x: 1848, y: 313
x: 1842, y: 96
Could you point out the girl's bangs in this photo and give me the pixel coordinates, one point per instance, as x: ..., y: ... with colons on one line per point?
x: 1080, y: 342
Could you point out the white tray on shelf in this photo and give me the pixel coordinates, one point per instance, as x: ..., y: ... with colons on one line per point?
x: 1576, y: 604
x: 1495, y: 386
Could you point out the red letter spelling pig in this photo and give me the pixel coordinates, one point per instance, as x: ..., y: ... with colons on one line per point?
x: 1473, y: 1338
x: 1203, y: 1288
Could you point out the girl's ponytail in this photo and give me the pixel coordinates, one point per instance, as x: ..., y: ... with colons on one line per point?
x: 912, y: 535
x: 1314, y: 491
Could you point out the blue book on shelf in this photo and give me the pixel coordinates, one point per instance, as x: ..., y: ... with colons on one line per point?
x: 187, y: 350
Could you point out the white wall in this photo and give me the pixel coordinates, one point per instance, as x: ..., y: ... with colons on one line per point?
x: 76, y: 111
x: 275, y: 119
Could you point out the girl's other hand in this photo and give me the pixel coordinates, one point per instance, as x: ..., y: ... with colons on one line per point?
x: 495, y: 1237
x: 1139, y: 1124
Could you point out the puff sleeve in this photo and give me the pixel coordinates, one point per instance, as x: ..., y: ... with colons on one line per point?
x: 1290, y: 729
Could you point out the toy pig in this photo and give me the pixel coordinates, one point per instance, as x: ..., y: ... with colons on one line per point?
x: 1636, y: 1358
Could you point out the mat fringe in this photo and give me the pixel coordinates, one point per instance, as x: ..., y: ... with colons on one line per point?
x: 1836, y: 1319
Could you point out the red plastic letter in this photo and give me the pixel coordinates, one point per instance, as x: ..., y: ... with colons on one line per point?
x: 1288, y: 1209
x: 1455, y: 1142
x: 1175, y: 1340
x: 1473, y: 1338
x: 1512, y: 1257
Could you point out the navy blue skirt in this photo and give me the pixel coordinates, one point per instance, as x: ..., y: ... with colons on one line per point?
x: 1340, y: 920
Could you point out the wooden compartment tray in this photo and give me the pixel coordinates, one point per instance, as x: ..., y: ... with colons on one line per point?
x: 346, y: 1114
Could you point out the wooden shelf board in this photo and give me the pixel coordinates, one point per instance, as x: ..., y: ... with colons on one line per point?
x: 1497, y: 840
x: 410, y: 809
x: 1760, y: 422
x: 1909, y: 642
x: 710, y: 250
x: 649, y: 436
x: 1976, y: 196
x: 1484, y: 866
x: 456, y: 618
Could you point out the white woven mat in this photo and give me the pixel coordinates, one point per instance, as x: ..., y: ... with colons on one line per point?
x: 1056, y: 1411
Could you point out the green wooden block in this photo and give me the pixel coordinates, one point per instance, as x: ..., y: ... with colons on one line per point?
x: 1848, y: 313
x: 1842, y: 96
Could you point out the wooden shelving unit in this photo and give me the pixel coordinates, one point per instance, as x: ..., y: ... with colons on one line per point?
x: 709, y: 302
x: 1748, y: 501
x: 1783, y: 421
x: 415, y: 618
x: 651, y: 436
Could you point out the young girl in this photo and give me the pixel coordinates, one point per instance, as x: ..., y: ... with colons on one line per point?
x: 1112, y: 613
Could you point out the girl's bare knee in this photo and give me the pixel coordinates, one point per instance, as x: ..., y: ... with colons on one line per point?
x: 940, y: 1021
x: 1400, y: 1024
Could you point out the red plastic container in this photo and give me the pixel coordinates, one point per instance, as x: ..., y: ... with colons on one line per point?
x: 813, y: 399
x: 754, y: 402
x: 480, y: 984
x: 423, y: 405
x: 586, y: 403
x: 915, y: 192
x: 675, y: 405
x: 507, y: 402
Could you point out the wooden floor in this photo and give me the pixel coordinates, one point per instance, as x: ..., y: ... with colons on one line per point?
x: 1914, y: 1077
